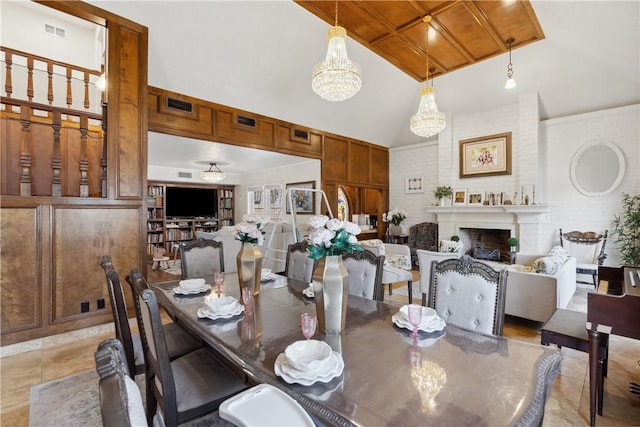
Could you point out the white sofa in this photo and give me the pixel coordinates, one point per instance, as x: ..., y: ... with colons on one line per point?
x: 274, y: 249
x: 536, y: 296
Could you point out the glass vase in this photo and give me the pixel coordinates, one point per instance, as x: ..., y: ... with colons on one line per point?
x: 331, y: 290
x: 249, y: 262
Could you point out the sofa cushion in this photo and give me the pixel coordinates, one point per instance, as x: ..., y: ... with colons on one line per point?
x: 549, y: 264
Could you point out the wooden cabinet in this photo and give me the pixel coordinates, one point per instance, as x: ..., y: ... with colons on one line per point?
x: 226, y: 205
x: 155, y: 218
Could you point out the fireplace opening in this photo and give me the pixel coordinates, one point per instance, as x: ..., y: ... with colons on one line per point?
x: 486, y: 243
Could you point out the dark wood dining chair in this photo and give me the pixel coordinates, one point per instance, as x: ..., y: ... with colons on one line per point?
x: 179, y: 341
x: 365, y: 274
x: 298, y: 265
x: 187, y: 387
x: 469, y: 294
x: 201, y: 258
x: 120, y: 399
x: 588, y: 250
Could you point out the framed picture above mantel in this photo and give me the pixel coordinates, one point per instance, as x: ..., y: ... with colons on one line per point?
x: 485, y: 156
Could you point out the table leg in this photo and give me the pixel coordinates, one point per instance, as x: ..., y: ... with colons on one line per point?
x: 410, y: 291
x: 594, y: 373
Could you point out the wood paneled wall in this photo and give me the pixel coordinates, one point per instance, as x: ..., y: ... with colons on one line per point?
x: 51, y: 246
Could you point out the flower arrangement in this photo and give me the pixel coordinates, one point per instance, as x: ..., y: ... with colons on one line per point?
x: 332, y: 237
x: 443, y: 192
x: 394, y: 216
x: 451, y: 246
x: 250, y: 230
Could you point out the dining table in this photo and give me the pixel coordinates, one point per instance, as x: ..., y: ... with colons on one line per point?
x: 447, y: 377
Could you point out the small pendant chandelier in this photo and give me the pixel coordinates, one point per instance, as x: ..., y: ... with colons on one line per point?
x: 214, y: 174
x: 428, y: 121
x: 337, y: 78
x: 510, y: 82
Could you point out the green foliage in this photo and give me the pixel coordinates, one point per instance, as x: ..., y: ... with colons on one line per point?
x: 443, y: 192
x: 626, y: 228
x: 455, y: 238
x: 512, y: 241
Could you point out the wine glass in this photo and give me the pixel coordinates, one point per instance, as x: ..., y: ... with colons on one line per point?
x: 308, y: 322
x: 218, y: 279
x: 247, y: 299
x: 415, y: 317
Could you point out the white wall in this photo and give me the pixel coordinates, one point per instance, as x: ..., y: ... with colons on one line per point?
x: 541, y: 156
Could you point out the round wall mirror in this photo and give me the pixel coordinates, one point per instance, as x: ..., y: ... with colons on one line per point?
x: 597, y: 168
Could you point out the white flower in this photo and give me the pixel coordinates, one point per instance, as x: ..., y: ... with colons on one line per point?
x: 352, y: 228
x: 334, y: 224
x: 318, y: 221
x: 322, y: 237
x: 451, y: 246
x: 332, y: 237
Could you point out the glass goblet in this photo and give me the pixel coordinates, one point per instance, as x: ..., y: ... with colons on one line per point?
x: 247, y: 299
x: 415, y: 317
x: 308, y: 323
x: 218, y: 280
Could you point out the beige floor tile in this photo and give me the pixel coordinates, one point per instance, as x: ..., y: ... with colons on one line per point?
x: 19, y: 373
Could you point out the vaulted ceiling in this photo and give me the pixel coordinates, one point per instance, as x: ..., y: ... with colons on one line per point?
x: 461, y: 33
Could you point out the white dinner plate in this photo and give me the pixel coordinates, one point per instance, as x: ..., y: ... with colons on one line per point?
x: 181, y: 291
x: 292, y: 376
x: 203, y: 312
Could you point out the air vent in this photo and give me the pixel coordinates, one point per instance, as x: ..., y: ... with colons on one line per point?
x: 300, y: 135
x: 54, y: 31
x: 177, y: 104
x: 245, y: 121
x: 184, y: 175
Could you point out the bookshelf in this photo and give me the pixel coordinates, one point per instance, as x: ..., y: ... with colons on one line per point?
x: 167, y: 232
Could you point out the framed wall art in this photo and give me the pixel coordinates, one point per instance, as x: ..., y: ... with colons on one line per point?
x: 460, y: 197
x: 303, y: 201
x: 485, y: 156
x: 475, y: 198
x: 413, y: 184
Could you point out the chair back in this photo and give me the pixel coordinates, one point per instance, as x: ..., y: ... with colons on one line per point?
x: 119, y: 310
x: 422, y: 236
x: 157, y: 355
x: 586, y: 247
x: 120, y: 398
x: 469, y: 294
x: 201, y: 258
x: 138, y: 284
x: 425, y: 258
x: 365, y: 274
x: 298, y: 265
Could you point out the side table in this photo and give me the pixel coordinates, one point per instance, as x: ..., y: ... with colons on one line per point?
x: 400, y: 239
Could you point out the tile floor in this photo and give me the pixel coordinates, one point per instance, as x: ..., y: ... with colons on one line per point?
x: 40, y: 361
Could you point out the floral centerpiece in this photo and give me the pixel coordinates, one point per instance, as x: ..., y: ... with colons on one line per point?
x: 332, y: 237
x: 250, y: 230
x: 451, y: 246
x: 394, y: 216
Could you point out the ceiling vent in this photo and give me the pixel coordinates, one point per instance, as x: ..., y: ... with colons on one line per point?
x: 54, y: 31
x: 177, y: 104
x: 184, y: 175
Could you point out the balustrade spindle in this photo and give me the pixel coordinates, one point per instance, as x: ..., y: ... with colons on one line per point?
x: 84, y: 161
x: 56, y: 160
x: 86, y: 90
x: 25, y: 151
x: 8, y: 60
x: 30, y: 79
x: 50, y: 82
x: 69, y: 97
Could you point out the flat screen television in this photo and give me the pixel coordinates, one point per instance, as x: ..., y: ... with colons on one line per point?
x: 191, y: 202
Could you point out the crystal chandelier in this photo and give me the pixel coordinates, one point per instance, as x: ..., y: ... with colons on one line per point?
x: 212, y: 175
x: 337, y: 77
x: 427, y: 121
x: 510, y: 82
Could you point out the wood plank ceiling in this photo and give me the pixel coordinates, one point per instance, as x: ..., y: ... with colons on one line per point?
x: 461, y: 33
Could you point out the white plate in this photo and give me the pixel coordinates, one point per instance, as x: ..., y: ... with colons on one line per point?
x: 289, y: 374
x: 429, y: 315
x: 181, y: 291
x: 222, y: 305
x: 437, y: 324
x: 204, y: 312
x: 268, y: 277
x: 308, y: 355
x: 191, y: 284
x: 308, y: 292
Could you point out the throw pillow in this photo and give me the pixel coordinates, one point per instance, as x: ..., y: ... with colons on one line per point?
x: 559, y: 253
x: 546, y: 265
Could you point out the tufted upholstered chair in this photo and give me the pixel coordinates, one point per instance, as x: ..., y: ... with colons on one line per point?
x: 424, y: 262
x: 588, y: 250
x: 422, y: 236
x: 120, y: 399
x: 365, y: 274
x: 187, y: 387
x: 200, y: 258
x: 469, y: 294
x: 397, y: 263
x: 298, y: 265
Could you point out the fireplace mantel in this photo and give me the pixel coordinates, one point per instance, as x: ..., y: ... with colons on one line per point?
x: 524, y: 221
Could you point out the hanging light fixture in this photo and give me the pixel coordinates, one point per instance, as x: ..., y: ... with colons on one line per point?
x: 510, y: 82
x: 337, y: 77
x: 214, y: 174
x: 427, y: 121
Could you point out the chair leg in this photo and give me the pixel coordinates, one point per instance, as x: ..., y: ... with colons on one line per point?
x: 390, y: 288
x: 152, y: 403
x: 424, y: 299
x: 410, y: 291
x: 600, y: 387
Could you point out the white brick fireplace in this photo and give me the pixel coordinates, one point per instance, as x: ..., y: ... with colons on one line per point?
x: 525, y: 222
